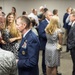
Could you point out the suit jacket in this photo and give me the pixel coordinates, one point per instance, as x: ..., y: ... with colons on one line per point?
x: 64, y: 20
x: 42, y: 34
x: 71, y: 38
x: 29, y: 54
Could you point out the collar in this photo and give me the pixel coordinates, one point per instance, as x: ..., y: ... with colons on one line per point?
x: 47, y: 20
x: 26, y: 33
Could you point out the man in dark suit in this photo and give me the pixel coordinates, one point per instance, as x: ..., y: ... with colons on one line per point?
x: 42, y: 37
x: 29, y: 48
x: 66, y: 25
x: 71, y: 39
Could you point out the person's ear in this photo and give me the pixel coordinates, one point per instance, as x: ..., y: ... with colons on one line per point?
x: 24, y: 24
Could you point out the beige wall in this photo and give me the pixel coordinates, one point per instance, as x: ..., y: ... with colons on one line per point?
x: 27, y: 5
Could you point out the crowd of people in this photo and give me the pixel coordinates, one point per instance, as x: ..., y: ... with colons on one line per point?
x: 22, y: 38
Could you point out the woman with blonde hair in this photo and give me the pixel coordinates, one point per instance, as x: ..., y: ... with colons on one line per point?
x: 54, y: 35
x: 10, y: 35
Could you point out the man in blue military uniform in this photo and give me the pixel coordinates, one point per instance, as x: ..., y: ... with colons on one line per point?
x: 29, y: 48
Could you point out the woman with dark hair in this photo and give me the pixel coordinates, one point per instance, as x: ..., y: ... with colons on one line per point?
x: 33, y: 24
x: 14, y: 11
x: 24, y: 13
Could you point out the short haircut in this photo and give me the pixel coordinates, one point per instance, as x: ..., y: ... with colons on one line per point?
x: 68, y: 9
x: 55, y: 11
x: 24, y: 13
x: 45, y: 9
x: 26, y: 20
x: 73, y: 12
